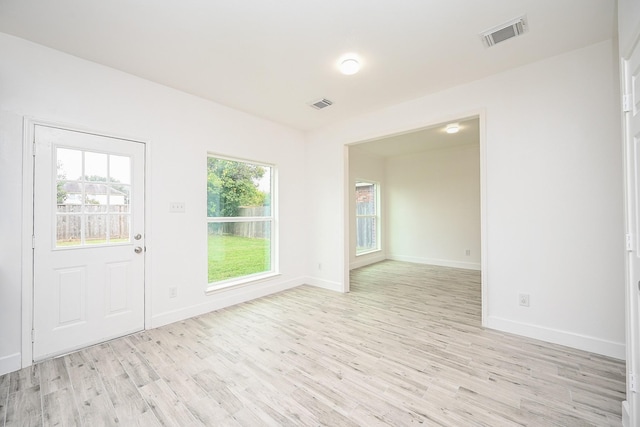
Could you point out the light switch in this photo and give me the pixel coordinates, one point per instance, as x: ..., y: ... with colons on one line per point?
x: 176, y: 207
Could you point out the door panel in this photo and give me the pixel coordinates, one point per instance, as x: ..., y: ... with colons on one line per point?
x: 88, y: 205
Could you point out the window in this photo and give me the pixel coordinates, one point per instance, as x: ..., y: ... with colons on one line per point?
x: 240, y: 221
x: 367, y: 217
x: 93, y: 198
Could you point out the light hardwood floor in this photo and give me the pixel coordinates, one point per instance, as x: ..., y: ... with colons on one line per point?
x: 405, y: 347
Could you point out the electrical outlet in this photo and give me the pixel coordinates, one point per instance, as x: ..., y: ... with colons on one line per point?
x: 467, y: 252
x: 319, y: 266
x: 173, y: 292
x: 524, y: 300
x: 176, y: 207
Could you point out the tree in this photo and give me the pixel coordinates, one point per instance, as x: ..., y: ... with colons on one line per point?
x: 61, y: 192
x: 231, y: 185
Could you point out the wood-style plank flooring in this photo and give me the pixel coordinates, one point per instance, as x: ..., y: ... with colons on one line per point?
x: 405, y: 347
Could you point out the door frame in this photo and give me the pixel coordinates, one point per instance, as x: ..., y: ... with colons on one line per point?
x: 27, y: 267
x: 631, y: 405
x: 480, y: 113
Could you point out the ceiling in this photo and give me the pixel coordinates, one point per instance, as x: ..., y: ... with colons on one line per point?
x: 272, y: 58
x: 431, y: 138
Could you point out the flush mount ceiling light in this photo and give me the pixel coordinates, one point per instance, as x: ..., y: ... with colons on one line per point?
x: 452, y: 128
x: 349, y: 65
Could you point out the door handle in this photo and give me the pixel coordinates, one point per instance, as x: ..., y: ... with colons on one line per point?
x: 138, y: 249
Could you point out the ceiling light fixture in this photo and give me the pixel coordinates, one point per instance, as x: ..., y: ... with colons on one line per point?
x: 452, y: 128
x: 349, y: 66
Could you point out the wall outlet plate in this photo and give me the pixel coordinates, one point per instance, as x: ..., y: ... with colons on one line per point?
x: 523, y: 300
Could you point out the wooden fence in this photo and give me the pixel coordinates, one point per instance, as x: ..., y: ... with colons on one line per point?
x: 97, y: 221
x: 258, y: 229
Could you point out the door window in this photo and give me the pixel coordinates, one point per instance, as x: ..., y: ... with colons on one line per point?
x: 93, y: 198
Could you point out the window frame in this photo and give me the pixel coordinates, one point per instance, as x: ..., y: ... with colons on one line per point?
x: 213, y: 287
x: 376, y: 217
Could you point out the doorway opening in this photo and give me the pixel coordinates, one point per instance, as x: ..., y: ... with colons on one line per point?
x: 431, y: 187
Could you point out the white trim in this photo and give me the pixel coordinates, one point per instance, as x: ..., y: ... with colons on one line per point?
x: 249, y: 280
x: 631, y: 406
x: 224, y: 298
x: 148, y: 236
x: 434, y: 261
x: 345, y: 237
x: 28, y: 126
x: 27, y: 231
x: 326, y: 284
x: 368, y: 260
x: 591, y: 344
x: 484, y: 236
x: 10, y: 363
x: 626, y: 416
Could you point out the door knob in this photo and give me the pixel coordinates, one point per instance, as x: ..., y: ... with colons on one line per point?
x: 138, y: 249
x: 138, y: 236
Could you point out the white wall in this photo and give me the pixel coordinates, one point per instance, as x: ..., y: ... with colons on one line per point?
x: 433, y: 207
x: 553, y: 194
x: 180, y: 129
x: 628, y: 12
x: 366, y: 167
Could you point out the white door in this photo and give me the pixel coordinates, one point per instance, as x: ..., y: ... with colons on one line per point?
x: 631, y: 74
x: 88, y: 239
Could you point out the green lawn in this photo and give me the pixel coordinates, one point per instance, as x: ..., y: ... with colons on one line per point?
x: 233, y: 256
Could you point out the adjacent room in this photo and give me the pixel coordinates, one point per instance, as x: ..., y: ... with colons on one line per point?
x: 346, y: 213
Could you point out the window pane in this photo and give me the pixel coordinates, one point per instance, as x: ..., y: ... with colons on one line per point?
x: 237, y: 189
x: 119, y: 228
x: 95, y: 197
x: 68, y: 230
x: 120, y: 169
x: 68, y: 207
x: 366, y: 217
x: 119, y: 197
x: 365, y: 199
x: 238, y: 249
x: 366, y: 234
x: 95, y: 166
x: 95, y: 231
x: 68, y: 164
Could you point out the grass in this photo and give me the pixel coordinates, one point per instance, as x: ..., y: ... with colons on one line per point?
x: 76, y: 242
x: 235, y: 256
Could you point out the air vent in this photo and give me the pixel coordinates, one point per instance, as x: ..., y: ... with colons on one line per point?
x: 504, y: 32
x: 320, y: 104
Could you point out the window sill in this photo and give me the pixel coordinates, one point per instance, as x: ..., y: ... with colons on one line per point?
x: 239, y: 283
x: 372, y: 251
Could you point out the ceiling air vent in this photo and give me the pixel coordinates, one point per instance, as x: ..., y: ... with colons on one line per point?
x: 504, y: 32
x: 320, y: 104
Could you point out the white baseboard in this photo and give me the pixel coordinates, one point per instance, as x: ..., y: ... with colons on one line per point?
x: 433, y: 261
x: 224, y: 299
x: 10, y: 363
x: 626, y: 417
x: 569, y: 339
x: 324, y: 284
x: 366, y: 260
